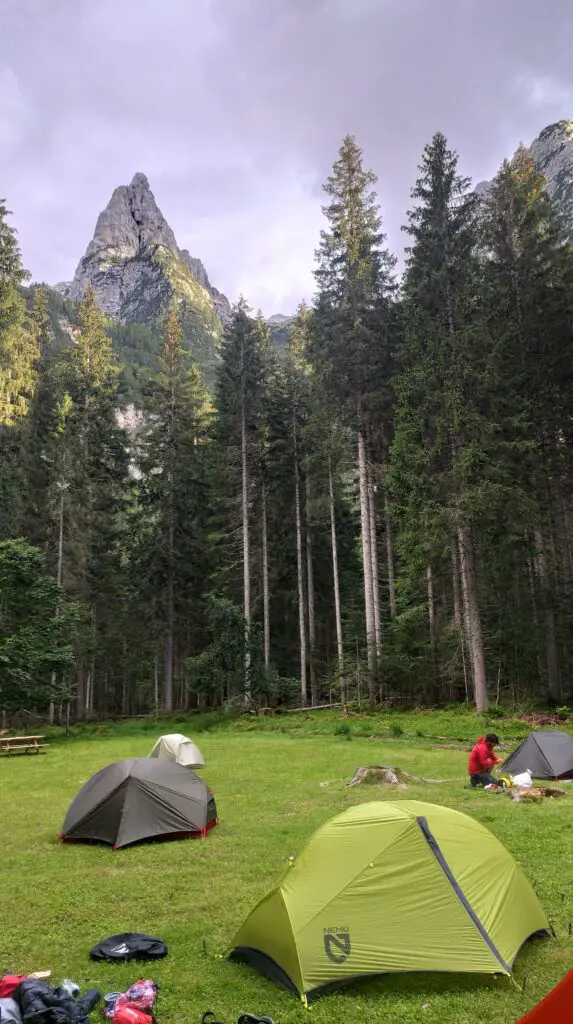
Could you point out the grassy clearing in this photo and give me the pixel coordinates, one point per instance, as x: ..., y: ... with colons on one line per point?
x: 57, y: 901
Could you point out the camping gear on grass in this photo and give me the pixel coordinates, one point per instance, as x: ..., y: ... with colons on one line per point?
x: 141, y: 798
x: 548, y: 754
x: 10, y: 1012
x: 523, y: 779
x: 42, y: 1004
x: 9, y: 983
x: 250, y: 1018
x: 178, y: 748
x: 69, y: 988
x: 129, y: 946
x: 390, y: 887
x: 140, y: 997
x: 556, y: 1008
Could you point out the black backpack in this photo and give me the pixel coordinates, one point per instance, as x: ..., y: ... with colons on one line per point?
x: 129, y: 946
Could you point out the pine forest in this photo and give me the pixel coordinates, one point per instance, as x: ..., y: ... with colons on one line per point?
x: 377, y: 510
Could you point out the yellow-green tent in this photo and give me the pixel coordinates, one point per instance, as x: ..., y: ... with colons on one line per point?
x: 389, y: 887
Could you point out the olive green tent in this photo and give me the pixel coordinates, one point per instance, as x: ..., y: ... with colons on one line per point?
x: 390, y: 887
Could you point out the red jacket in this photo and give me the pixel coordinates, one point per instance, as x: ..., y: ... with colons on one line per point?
x: 482, y: 758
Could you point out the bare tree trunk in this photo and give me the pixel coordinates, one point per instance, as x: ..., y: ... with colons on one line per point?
x: 431, y: 618
x: 156, y: 685
x: 552, y: 656
x: 60, y: 571
x: 458, y: 614
x: 456, y: 585
x: 299, y: 571
x: 266, y: 610
x: 390, y: 558
x: 473, y: 618
x: 169, y: 635
x: 310, y: 599
x: 374, y: 557
x: 80, y: 691
x: 91, y: 674
x: 88, y: 693
x: 563, y: 542
x: 246, y: 550
x: 367, y: 569
x: 336, y: 581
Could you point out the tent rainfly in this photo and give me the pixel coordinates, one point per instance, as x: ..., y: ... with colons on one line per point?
x: 556, y: 1008
x: 140, y: 799
x: 178, y: 748
x: 388, y: 888
x: 548, y: 755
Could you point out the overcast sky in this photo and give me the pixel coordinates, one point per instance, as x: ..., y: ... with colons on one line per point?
x: 235, y: 110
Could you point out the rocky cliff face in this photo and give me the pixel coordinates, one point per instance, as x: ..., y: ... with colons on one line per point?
x: 134, y: 265
x: 552, y: 152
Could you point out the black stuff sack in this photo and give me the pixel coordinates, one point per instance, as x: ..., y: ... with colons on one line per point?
x: 129, y: 946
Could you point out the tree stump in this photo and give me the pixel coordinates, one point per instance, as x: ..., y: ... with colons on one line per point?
x: 383, y: 774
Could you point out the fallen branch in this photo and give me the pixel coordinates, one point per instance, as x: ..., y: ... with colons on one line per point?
x: 535, y: 793
x: 314, y: 707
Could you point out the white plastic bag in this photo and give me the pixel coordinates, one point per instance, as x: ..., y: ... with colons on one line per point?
x: 523, y: 780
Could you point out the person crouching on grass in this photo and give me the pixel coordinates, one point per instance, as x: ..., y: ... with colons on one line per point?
x: 481, y: 761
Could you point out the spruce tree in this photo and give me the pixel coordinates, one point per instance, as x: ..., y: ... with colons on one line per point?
x: 18, y: 342
x: 529, y: 291
x: 95, y: 485
x: 172, y: 556
x: 351, y: 341
x: 442, y: 429
x: 240, y: 394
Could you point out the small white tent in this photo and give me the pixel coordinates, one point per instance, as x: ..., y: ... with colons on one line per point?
x: 178, y: 748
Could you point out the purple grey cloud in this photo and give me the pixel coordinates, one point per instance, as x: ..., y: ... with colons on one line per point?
x: 235, y: 109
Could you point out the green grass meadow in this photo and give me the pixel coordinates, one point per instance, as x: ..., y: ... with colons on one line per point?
x: 57, y: 901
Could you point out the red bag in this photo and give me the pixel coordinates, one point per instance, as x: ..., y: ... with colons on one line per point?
x: 139, y: 999
x: 9, y: 983
x: 129, y: 1015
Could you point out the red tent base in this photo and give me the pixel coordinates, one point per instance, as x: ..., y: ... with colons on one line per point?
x: 556, y: 1008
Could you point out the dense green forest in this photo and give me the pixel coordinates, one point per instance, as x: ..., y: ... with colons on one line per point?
x: 378, y: 510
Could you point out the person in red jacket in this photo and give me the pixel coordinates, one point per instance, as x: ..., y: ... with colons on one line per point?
x: 481, y: 761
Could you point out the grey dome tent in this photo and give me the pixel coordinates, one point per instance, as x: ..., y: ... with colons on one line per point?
x: 548, y: 755
x: 141, y: 798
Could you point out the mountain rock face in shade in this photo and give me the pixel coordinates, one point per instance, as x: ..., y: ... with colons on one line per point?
x: 552, y: 152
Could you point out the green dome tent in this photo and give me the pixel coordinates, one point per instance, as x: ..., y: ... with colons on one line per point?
x: 392, y: 887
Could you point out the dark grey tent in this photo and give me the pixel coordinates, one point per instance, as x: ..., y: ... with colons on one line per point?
x: 138, y: 799
x: 548, y: 755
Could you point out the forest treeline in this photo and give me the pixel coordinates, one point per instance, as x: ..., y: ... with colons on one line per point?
x: 380, y: 511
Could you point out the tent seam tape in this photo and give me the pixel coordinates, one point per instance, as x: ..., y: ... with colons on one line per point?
x: 458, y: 891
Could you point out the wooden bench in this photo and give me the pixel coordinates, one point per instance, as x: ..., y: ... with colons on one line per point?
x: 21, y: 744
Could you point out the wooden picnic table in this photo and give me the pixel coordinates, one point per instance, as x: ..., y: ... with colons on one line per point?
x: 21, y: 744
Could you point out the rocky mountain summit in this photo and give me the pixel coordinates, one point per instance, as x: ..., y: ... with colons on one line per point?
x: 552, y: 152
x: 135, y: 266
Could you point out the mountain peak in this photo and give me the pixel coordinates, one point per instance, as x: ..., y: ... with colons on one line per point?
x: 121, y: 259
x: 552, y: 153
x: 141, y: 180
x: 563, y: 127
